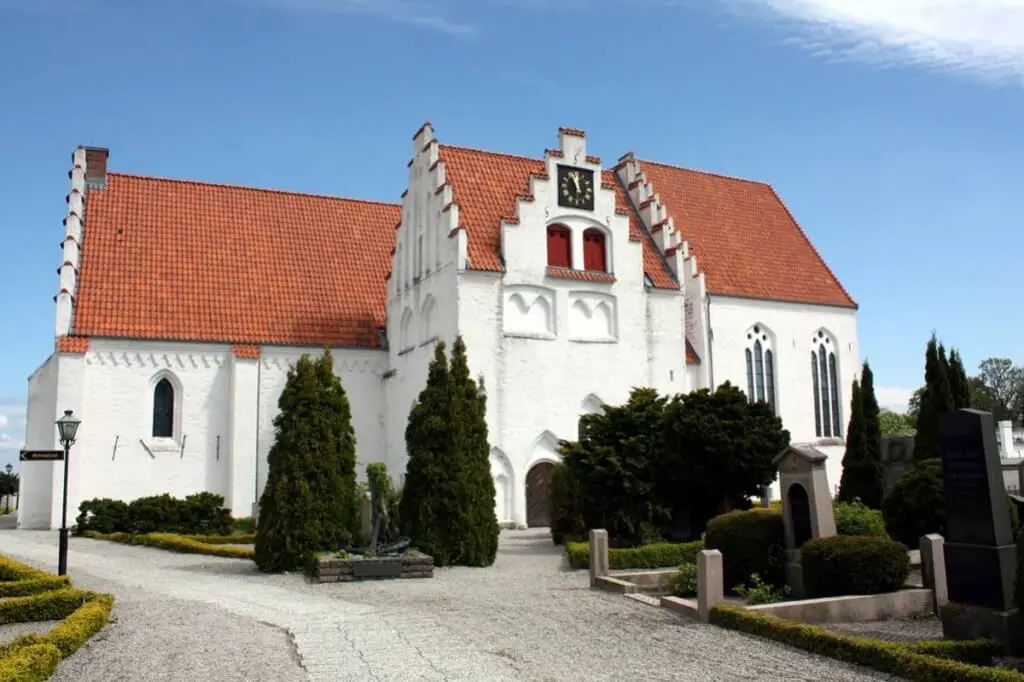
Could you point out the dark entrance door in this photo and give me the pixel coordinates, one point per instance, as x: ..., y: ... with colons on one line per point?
x: 538, y: 495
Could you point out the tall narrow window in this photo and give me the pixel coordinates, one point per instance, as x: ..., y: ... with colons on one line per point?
x: 760, y: 366
x: 559, y: 246
x: 594, y: 256
x: 828, y: 417
x: 163, y: 409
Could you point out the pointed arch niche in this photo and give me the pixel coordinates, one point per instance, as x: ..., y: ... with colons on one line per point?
x: 543, y: 456
x: 504, y: 484
x: 592, y: 317
x: 590, y: 405
x: 529, y: 311
x: 427, y: 313
x: 405, y: 333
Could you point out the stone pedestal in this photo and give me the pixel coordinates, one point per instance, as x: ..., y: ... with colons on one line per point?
x: 794, y: 574
x: 933, y: 569
x: 710, y: 582
x: 598, y: 555
x: 966, y: 621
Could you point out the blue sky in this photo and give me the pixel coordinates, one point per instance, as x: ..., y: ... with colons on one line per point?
x: 891, y: 128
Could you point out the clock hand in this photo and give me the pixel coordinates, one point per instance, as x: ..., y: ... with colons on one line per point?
x: 576, y: 181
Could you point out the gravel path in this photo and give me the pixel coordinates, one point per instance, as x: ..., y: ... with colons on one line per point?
x: 187, y: 617
x: 12, y: 631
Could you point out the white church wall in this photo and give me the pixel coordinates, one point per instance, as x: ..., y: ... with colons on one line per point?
x: 116, y: 454
x: 549, y: 347
x: 37, y: 478
x: 360, y: 371
x: 790, y: 327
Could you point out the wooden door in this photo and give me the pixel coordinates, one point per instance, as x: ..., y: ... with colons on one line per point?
x: 538, y: 495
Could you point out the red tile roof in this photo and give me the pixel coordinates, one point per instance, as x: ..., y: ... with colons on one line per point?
x: 486, y: 185
x: 171, y: 259
x: 72, y: 344
x: 745, y: 239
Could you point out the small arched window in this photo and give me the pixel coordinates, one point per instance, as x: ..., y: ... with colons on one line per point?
x: 594, y: 257
x: 825, y: 382
x: 760, y: 366
x: 163, y: 409
x: 559, y: 246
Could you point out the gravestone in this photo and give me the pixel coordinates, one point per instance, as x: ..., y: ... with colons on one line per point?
x: 806, y: 505
x: 980, y: 554
x: 897, y: 458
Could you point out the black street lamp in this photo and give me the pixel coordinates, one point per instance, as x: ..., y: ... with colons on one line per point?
x: 67, y: 427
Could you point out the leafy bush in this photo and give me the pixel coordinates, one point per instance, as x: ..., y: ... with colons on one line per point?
x: 916, y: 504
x: 566, y: 519
x: 20, y: 580
x: 750, y: 542
x: 658, y: 555
x: 760, y: 592
x: 843, y: 565
x: 175, y: 543
x: 200, y: 513
x: 856, y: 518
x: 34, y: 663
x: 390, y: 499
x: 923, y: 662
x: 684, y: 583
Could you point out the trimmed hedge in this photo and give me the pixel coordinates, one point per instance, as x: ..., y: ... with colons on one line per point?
x: 200, y: 513
x: 234, y: 539
x: 923, y: 662
x: 174, y: 543
x: 54, y: 605
x: 750, y: 542
x: 20, y: 580
x: 844, y: 565
x: 33, y: 663
x: 656, y: 555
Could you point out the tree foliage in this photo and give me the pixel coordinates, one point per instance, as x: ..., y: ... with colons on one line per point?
x: 447, y: 505
x: 309, y: 502
x: 936, y: 401
x: 893, y: 424
x: 656, y: 458
x: 959, y: 385
x: 999, y: 389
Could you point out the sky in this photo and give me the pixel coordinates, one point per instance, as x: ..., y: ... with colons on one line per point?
x: 891, y: 128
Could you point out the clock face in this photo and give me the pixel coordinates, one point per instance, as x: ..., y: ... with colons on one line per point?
x: 576, y: 187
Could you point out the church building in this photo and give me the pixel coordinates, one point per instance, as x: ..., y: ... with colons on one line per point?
x: 182, y: 304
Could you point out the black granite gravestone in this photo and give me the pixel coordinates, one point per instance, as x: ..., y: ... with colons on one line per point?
x: 980, y: 554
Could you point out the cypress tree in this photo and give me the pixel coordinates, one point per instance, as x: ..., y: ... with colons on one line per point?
x: 476, y: 534
x: 936, y: 401
x: 308, y: 504
x: 871, y: 495
x: 854, y: 460
x: 959, y: 385
x: 428, y: 508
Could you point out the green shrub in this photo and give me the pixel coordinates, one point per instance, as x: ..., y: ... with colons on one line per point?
x: 750, y: 542
x: 202, y: 513
x: 233, y: 539
x: 658, y: 555
x: 684, y: 583
x: 566, y: 519
x: 925, y: 662
x: 23, y: 588
x: 916, y: 504
x: 54, y: 605
x: 760, y: 592
x: 175, y: 543
x: 848, y: 565
x: 390, y: 498
x: 34, y: 663
x: 855, y: 518
x: 243, y: 524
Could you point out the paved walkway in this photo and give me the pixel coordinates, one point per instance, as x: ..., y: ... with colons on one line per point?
x: 187, y: 617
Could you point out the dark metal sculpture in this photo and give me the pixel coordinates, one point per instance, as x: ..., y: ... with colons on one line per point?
x: 380, y: 525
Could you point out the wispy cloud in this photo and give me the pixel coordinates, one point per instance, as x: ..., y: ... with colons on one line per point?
x: 435, y: 15
x: 980, y: 37
x: 895, y: 398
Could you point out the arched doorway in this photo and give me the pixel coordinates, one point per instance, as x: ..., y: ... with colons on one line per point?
x: 538, y: 495
x: 800, y: 512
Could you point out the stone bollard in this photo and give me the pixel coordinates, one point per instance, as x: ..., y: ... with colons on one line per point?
x: 710, y: 582
x: 933, y: 568
x: 366, y: 516
x: 598, y: 555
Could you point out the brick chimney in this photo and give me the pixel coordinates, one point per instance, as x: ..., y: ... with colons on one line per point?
x: 96, y: 167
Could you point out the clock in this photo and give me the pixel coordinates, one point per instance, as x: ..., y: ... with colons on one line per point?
x: 576, y: 188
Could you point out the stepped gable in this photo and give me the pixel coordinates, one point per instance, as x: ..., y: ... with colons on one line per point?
x: 486, y: 186
x: 745, y: 240
x: 191, y: 261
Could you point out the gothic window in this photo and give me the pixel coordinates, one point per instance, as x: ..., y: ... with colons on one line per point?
x: 825, y: 383
x: 559, y: 246
x: 163, y: 409
x: 594, y: 255
x: 760, y: 366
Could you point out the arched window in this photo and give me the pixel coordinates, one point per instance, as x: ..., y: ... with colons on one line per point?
x: 760, y: 366
x: 828, y: 422
x: 594, y: 257
x: 163, y: 409
x: 559, y: 246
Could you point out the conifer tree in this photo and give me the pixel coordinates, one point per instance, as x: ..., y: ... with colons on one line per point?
x: 476, y: 534
x: 871, y: 495
x: 855, y: 471
x: 428, y: 508
x: 959, y: 385
x: 935, y: 402
x: 309, y: 503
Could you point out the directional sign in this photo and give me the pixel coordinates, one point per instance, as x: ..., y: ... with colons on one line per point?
x: 42, y: 455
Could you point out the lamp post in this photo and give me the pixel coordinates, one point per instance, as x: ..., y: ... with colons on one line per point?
x: 7, y: 498
x: 67, y: 427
